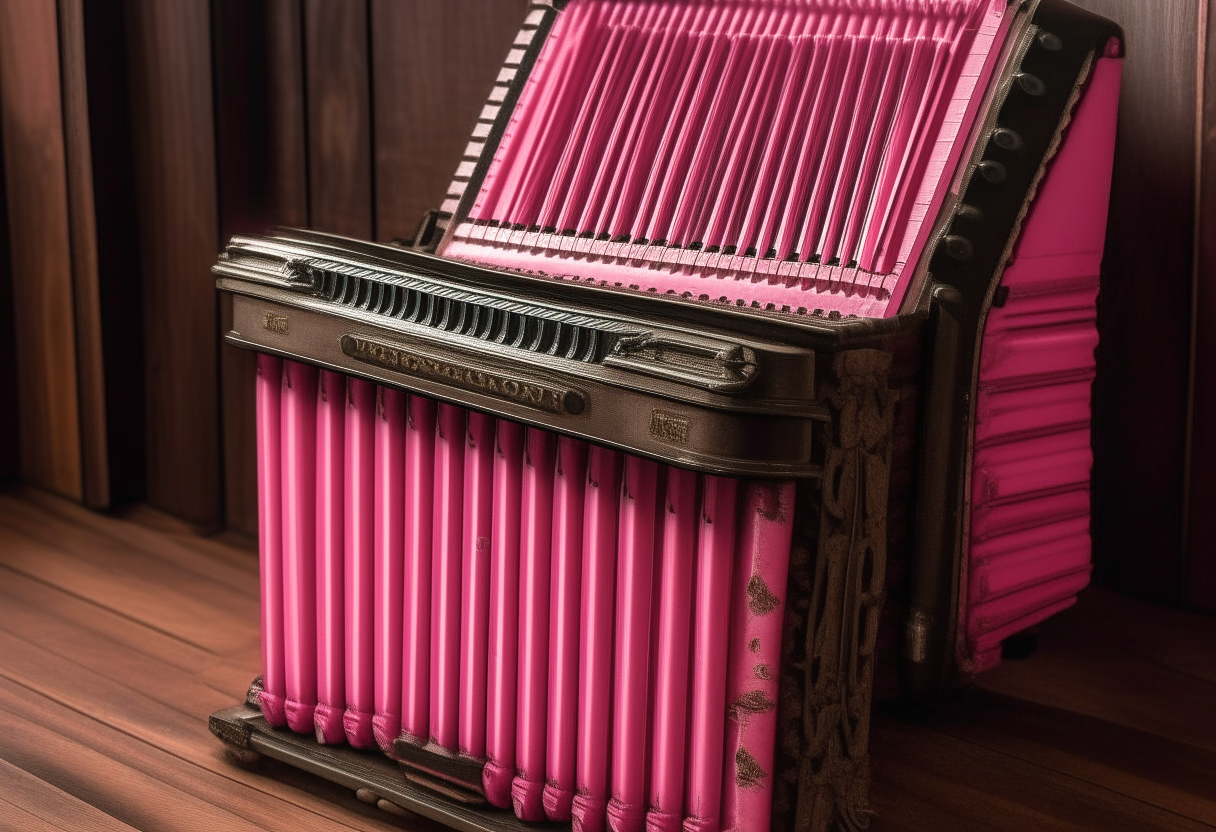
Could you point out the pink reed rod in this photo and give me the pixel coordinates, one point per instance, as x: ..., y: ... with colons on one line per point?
x: 674, y: 615
x: 504, y: 615
x: 299, y: 438
x: 420, y: 481
x: 270, y: 537
x: 331, y: 566
x: 565, y: 576
x: 360, y: 524
x: 535, y: 542
x: 478, y: 520
x: 595, y: 638
x: 762, y: 560
x: 631, y: 697
x: 715, y: 559
x: 389, y: 568
x: 448, y: 525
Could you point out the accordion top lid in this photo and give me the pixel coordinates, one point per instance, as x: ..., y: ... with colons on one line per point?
x: 787, y: 152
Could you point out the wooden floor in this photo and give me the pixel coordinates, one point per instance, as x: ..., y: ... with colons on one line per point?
x: 119, y: 636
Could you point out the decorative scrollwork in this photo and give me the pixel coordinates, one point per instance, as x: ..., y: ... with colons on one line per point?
x: 836, y: 598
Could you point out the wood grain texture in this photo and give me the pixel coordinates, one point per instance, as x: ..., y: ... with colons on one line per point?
x: 1201, y: 549
x: 339, y: 117
x: 433, y: 65
x: 1144, y: 310
x: 86, y: 286
x: 169, y: 50
x: 287, y: 163
x: 105, y: 689
x: 10, y: 451
x: 31, y: 119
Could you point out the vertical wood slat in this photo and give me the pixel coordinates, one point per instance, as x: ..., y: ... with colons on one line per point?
x: 90, y: 353
x: 169, y: 63
x: 1201, y: 533
x: 31, y: 119
x: 10, y: 456
x: 434, y: 64
x: 339, y: 117
x: 1144, y: 311
x: 262, y: 158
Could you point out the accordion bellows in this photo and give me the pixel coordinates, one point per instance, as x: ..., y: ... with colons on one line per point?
x: 748, y: 359
x: 626, y: 609
x: 779, y: 152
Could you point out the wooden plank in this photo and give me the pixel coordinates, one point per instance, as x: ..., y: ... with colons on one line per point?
x: 90, y: 352
x: 1201, y: 544
x: 53, y: 807
x: 10, y: 454
x: 287, y: 156
x: 434, y: 65
x: 157, y: 725
x: 31, y: 119
x: 1145, y: 307
x: 120, y: 288
x: 1169, y: 774
x: 339, y: 117
x: 986, y: 786
x: 169, y: 53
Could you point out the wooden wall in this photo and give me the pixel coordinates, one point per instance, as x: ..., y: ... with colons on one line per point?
x: 139, y: 135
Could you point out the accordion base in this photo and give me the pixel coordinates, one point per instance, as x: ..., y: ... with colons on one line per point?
x: 373, y: 778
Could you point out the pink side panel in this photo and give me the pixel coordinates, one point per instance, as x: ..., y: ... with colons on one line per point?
x: 389, y: 566
x: 420, y: 476
x: 565, y: 587
x: 299, y: 460
x: 331, y: 566
x: 595, y: 639
x: 1029, y: 545
x: 270, y: 537
x: 360, y: 511
x: 674, y: 620
x: 762, y: 560
x: 631, y: 696
x: 711, y: 623
x: 448, y: 525
x: 478, y: 520
x: 536, y: 538
x: 504, y: 615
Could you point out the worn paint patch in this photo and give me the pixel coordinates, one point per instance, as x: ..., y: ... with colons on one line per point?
x: 769, y: 505
x: 760, y: 671
x: 760, y: 599
x: 754, y: 645
x: 752, y: 702
x: 748, y: 772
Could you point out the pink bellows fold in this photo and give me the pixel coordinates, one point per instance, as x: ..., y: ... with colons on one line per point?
x: 360, y: 585
x: 478, y: 518
x: 331, y: 554
x: 299, y: 459
x: 504, y: 615
x: 446, y: 563
x: 268, y: 394
x: 389, y: 564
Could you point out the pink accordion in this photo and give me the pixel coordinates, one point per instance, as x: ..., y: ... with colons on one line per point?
x: 747, y: 361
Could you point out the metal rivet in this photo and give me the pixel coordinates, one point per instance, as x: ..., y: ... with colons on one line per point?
x: 1050, y: 42
x: 1030, y: 84
x: 993, y: 172
x: 970, y: 213
x: 959, y: 248
x: 1006, y: 139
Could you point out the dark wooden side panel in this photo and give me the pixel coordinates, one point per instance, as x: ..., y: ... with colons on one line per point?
x: 90, y: 353
x: 169, y: 50
x: 1202, y: 525
x: 433, y: 66
x: 36, y: 177
x: 120, y: 291
x: 339, y: 116
x: 262, y: 162
x: 10, y: 458
x: 1144, y: 311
